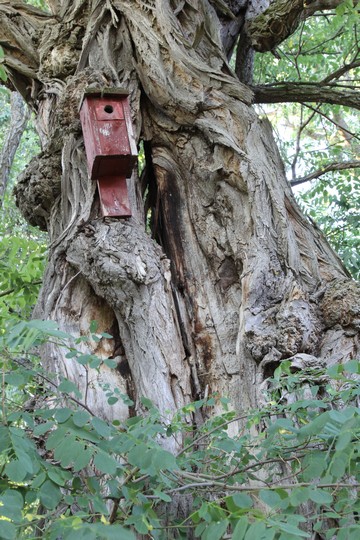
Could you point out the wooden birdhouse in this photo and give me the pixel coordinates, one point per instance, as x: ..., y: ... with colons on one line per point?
x: 110, y: 146
x: 108, y: 133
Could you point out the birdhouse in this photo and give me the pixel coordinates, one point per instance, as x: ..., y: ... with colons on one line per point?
x: 110, y: 147
x: 108, y: 133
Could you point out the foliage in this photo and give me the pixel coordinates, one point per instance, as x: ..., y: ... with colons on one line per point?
x: 2, y: 70
x: 22, y: 247
x: 67, y: 473
x: 312, y: 136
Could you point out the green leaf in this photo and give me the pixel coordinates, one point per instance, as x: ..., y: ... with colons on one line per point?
x: 16, y: 471
x: 81, y: 418
x: 299, y: 495
x: 3, y: 75
x: 55, y: 438
x: 69, y: 387
x: 40, y: 429
x: 338, y: 466
x: 147, y: 403
x: 344, y: 440
x: 38, y: 480
x: 242, y: 500
x: 61, y: 415
x: 290, y: 529
x: 7, y: 529
x: 11, y: 505
x: 137, y: 454
x: 110, y: 363
x: 162, y: 496
x: 101, y: 427
x: 50, y: 495
x: 215, y: 531
x: 112, y: 532
x: 161, y: 460
x: 93, y: 326
x: 15, y: 379
x: 320, y: 496
x: 106, y: 335
x: 352, y: 367
x: 5, y: 440
x: 240, y: 529
x: 56, y: 476
x: 256, y: 530
x: 68, y: 450
x: 83, y: 459
x: 105, y: 463
x: 271, y: 498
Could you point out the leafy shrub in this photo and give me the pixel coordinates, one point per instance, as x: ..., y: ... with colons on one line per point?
x: 68, y: 474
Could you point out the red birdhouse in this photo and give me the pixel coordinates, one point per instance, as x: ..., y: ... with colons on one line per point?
x: 108, y: 134
x: 110, y: 146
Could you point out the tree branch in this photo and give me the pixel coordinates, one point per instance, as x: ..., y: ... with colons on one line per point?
x: 273, y: 26
x: 281, y: 20
x: 312, y: 6
x: 19, y: 27
x: 329, y: 168
x: 340, y: 72
x: 10, y: 291
x: 288, y: 92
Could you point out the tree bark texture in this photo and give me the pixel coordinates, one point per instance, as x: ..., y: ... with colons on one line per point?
x: 232, y: 278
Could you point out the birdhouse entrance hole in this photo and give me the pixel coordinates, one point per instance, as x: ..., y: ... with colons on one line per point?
x: 110, y: 146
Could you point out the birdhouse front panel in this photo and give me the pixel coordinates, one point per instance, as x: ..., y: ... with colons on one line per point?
x: 108, y: 134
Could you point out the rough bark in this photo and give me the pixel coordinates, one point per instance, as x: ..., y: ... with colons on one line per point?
x: 237, y: 278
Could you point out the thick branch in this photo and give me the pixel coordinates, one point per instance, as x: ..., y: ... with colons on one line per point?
x: 281, y: 20
x: 19, y: 28
x: 329, y: 168
x: 305, y: 93
x: 312, y: 7
x: 341, y: 71
x: 273, y: 26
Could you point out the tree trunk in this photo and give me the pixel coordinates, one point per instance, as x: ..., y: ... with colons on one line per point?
x: 18, y: 121
x: 232, y: 278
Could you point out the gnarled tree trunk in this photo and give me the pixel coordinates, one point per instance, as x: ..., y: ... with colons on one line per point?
x: 232, y: 278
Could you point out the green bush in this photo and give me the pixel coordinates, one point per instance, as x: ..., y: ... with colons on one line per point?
x: 68, y: 474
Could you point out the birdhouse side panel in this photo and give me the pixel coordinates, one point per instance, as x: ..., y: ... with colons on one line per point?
x: 90, y: 134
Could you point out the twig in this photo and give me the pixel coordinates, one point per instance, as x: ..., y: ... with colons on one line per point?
x: 329, y: 168
x: 9, y: 291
